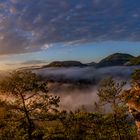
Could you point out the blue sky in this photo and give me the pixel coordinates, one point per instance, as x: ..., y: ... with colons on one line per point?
x: 85, y: 53
x: 90, y: 51
x: 37, y: 31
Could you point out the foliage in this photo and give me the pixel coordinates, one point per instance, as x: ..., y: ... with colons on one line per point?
x: 30, y: 99
x: 135, y: 61
x: 136, y: 77
x: 32, y: 113
x: 109, y: 93
x: 132, y: 98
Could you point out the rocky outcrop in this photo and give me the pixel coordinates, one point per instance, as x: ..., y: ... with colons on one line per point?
x: 132, y: 98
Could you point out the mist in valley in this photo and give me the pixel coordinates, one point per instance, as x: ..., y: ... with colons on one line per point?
x: 77, y: 86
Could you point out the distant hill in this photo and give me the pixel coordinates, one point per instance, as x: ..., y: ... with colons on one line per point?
x: 135, y: 61
x: 116, y: 59
x: 65, y: 64
x: 91, y: 64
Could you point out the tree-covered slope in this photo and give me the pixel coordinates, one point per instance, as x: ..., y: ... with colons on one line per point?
x: 135, y: 61
x: 65, y: 64
x: 116, y: 59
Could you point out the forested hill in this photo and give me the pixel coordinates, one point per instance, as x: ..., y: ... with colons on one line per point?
x: 117, y: 59
x: 135, y: 61
x: 65, y: 64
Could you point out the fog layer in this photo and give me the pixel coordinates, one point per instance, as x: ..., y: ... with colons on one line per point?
x: 78, y: 86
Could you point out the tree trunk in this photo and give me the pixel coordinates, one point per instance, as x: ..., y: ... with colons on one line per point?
x: 27, y: 118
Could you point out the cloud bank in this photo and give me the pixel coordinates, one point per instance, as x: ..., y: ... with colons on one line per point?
x: 86, y: 75
x: 32, y: 25
x: 74, y: 88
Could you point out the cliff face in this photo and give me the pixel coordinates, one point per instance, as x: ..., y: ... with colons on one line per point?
x: 132, y: 98
x: 133, y: 102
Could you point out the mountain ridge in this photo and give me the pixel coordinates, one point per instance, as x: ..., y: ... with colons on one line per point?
x: 116, y: 59
x: 68, y: 63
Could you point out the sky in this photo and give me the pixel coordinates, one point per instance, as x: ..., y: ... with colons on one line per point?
x: 40, y: 31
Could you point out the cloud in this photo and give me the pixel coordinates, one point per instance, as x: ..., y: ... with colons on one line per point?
x: 32, y: 63
x: 30, y: 25
x: 46, y: 46
x: 86, y: 75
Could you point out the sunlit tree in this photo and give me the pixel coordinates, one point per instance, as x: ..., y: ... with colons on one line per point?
x: 109, y: 94
x: 132, y: 99
x: 29, y: 98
